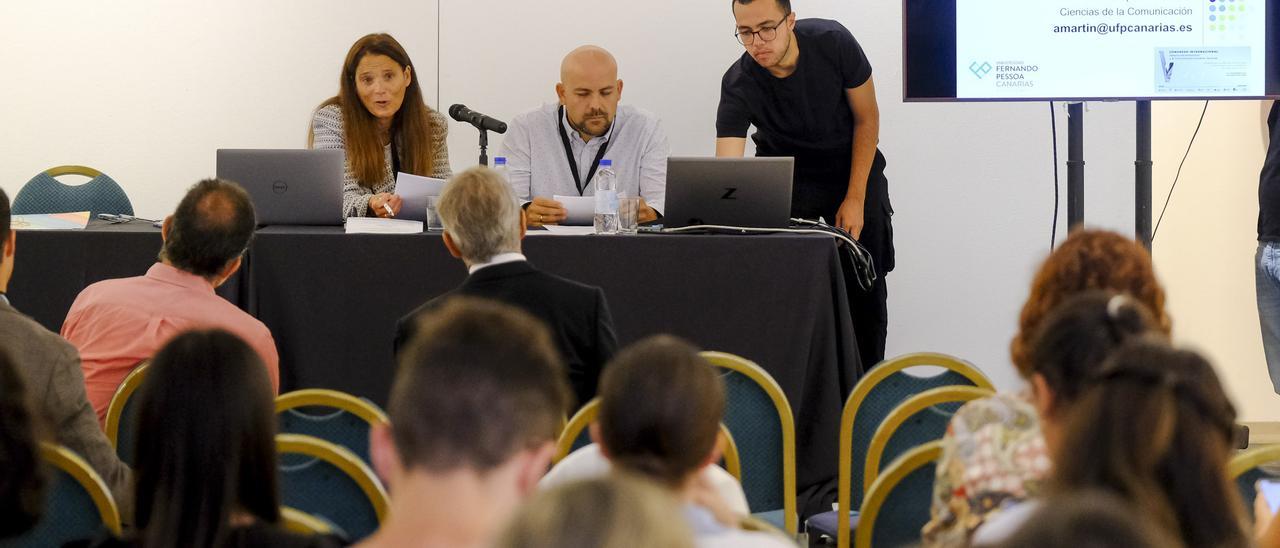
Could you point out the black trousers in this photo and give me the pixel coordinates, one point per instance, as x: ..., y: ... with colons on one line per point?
x: 818, y: 191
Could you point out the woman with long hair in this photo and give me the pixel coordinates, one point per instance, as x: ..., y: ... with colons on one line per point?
x: 382, y: 123
x: 205, y: 463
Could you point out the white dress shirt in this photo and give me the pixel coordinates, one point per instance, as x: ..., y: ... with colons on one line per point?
x: 497, y: 260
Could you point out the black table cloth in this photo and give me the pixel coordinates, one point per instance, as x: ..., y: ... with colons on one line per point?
x: 332, y: 299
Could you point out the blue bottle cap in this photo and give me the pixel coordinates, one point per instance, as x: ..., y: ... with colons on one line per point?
x: 500, y: 161
x: 606, y: 163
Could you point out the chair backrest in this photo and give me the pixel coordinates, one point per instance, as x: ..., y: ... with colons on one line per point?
x: 332, y: 484
x: 921, y: 419
x: 45, y: 194
x: 77, y: 503
x: 1246, y: 469
x: 897, y: 505
x: 330, y: 415
x: 302, y: 523
x: 575, y: 436
x: 879, y: 391
x: 759, y: 416
x: 122, y: 414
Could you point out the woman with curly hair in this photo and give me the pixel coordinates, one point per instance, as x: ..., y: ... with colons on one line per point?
x: 994, y: 454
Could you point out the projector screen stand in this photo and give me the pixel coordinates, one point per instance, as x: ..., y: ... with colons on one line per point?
x: 1142, y: 170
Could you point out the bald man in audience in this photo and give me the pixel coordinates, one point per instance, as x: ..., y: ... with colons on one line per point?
x: 483, y: 226
x: 475, y: 410
x: 556, y: 149
x: 51, y: 369
x: 117, y: 324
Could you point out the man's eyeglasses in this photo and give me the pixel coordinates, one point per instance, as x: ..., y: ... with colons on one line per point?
x: 767, y: 34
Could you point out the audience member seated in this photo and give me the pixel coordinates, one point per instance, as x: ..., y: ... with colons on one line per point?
x: 381, y: 122
x: 476, y: 404
x: 483, y: 226
x: 206, y: 458
x: 1001, y: 435
x: 51, y: 368
x: 657, y: 408
x: 1154, y: 427
x: 1088, y: 520
x: 608, y: 512
x: 116, y: 324
x: 22, y: 478
x: 556, y: 149
x: 660, y: 411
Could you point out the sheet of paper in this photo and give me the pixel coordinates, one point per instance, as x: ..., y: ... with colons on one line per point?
x: 375, y: 225
x: 558, y: 230
x: 50, y: 221
x: 582, y: 209
x: 414, y: 189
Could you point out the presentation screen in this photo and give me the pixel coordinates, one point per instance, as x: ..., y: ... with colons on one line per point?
x: 1010, y: 50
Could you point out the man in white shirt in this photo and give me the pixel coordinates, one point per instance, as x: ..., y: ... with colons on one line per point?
x: 556, y: 149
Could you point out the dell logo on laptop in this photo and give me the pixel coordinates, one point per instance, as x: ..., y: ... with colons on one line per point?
x: 279, y: 187
x: 728, y: 193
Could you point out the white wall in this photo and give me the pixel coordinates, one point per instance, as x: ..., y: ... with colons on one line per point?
x: 147, y: 90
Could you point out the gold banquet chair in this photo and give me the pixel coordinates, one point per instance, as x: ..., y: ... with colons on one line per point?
x: 1247, y: 467
x: 332, y: 416
x: 897, y: 504
x: 77, y: 503
x: 331, y: 483
x: 122, y: 414
x: 757, y: 413
x: 575, y: 436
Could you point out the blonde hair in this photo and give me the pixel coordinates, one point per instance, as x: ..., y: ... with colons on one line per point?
x: 480, y: 213
x: 611, y: 512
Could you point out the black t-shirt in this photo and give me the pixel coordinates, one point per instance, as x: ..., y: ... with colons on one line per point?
x: 1269, y: 185
x: 805, y: 115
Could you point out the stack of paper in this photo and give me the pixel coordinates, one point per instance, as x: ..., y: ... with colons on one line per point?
x: 375, y: 225
x: 50, y: 221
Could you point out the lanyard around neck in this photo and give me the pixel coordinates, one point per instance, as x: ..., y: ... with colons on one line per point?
x: 573, y: 163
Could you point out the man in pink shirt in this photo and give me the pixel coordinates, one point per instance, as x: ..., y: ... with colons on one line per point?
x: 115, y: 324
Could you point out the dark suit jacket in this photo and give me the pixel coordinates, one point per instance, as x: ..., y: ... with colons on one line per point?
x: 51, y: 368
x: 577, y: 314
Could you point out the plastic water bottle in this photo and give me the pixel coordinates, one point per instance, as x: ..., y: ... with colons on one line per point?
x: 500, y: 166
x: 606, y: 210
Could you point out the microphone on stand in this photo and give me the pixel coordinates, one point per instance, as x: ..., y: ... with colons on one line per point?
x: 483, y: 123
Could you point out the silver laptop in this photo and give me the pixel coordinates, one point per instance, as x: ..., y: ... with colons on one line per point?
x: 288, y: 187
x: 752, y: 192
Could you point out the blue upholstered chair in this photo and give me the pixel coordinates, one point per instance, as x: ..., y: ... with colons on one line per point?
x: 330, y: 483
x: 896, y: 506
x: 45, y: 194
x: 330, y: 415
x: 77, y: 503
x: 122, y: 414
x: 884, y: 388
x: 759, y: 417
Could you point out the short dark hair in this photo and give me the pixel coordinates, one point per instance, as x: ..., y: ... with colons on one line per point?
x: 5, y: 220
x: 211, y: 227
x: 660, y: 409
x: 784, y: 4
x: 206, y: 441
x: 22, y: 477
x: 479, y: 382
x: 1077, y: 337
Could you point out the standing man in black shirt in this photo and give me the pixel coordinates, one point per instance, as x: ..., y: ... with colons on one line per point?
x: 1267, y: 261
x: 806, y: 86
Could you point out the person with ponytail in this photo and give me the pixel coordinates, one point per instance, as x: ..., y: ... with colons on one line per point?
x: 994, y: 454
x: 381, y: 121
x: 1154, y: 427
